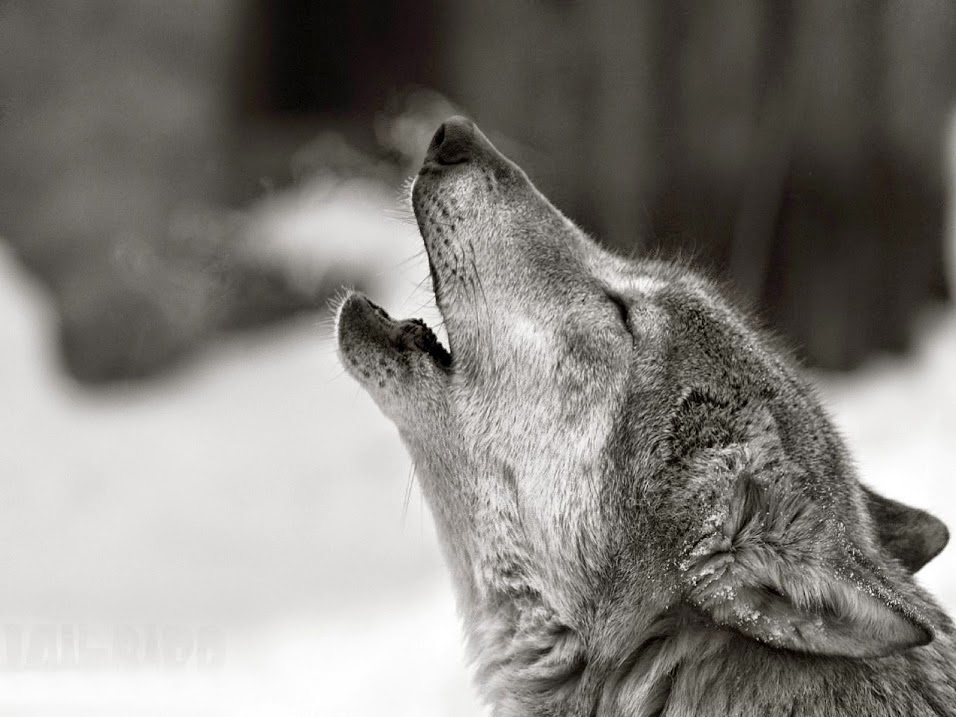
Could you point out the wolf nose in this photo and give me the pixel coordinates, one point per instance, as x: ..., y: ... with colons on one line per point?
x: 454, y: 142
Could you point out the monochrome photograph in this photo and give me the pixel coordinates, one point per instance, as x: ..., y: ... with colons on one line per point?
x: 429, y: 358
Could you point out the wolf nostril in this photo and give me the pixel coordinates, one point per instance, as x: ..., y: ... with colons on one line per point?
x: 453, y: 143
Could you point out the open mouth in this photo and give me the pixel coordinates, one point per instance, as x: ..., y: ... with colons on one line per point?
x: 361, y: 317
x: 371, y: 340
x: 364, y: 328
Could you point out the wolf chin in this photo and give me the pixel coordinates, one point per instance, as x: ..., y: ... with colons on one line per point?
x: 645, y: 509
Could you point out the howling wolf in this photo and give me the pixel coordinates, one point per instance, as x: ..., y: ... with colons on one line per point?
x: 645, y: 509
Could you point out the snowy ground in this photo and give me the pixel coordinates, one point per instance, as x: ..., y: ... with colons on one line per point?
x: 258, y: 498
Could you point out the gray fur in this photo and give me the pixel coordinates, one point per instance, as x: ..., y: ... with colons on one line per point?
x: 646, y: 514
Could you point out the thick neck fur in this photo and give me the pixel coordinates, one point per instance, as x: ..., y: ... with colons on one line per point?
x: 529, y: 665
x: 703, y: 672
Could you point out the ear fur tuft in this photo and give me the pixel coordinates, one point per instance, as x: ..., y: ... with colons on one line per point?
x: 782, y: 573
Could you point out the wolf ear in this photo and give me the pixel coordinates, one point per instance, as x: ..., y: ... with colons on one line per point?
x: 912, y: 536
x: 780, y: 573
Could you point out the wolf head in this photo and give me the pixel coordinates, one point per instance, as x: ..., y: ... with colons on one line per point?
x: 608, y: 446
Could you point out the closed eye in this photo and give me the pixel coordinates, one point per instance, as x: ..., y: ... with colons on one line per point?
x: 622, y: 309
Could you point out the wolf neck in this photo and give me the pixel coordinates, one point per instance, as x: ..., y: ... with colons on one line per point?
x: 646, y: 684
x: 529, y: 665
x: 704, y: 671
x: 527, y: 661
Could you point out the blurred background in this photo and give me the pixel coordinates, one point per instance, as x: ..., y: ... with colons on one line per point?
x: 199, y: 513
